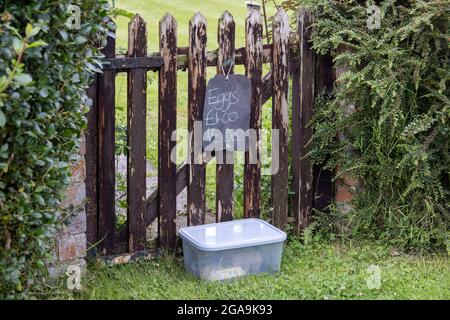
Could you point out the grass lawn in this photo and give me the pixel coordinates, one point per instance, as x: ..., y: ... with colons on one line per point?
x: 314, y: 271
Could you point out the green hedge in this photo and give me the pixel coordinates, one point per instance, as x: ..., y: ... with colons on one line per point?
x: 399, y: 135
x: 44, y: 71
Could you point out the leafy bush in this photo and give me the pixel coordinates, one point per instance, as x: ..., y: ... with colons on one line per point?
x: 44, y: 71
x: 398, y: 80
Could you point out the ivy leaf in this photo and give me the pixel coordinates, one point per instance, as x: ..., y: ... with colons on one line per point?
x: 31, y: 31
x: 80, y: 40
x: 17, y: 45
x: 63, y: 34
x: 43, y: 92
x: 23, y: 78
x: 39, y: 199
x: 28, y: 30
x: 35, y: 31
x: 2, y: 119
x: 37, y: 215
x: 62, y: 164
x: 38, y: 43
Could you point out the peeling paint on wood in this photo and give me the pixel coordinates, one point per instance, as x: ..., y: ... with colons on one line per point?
x: 167, y: 124
x: 196, y: 198
x: 280, y: 118
x: 254, y: 55
x: 225, y: 172
x: 106, y: 141
x: 136, y: 168
x: 301, y: 116
x: 91, y: 169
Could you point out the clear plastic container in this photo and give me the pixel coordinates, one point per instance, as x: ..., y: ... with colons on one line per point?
x: 227, y: 250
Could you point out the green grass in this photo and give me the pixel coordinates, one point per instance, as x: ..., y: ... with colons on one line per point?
x: 315, y: 271
x: 152, y: 11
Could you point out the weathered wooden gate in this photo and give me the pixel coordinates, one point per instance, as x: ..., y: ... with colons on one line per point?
x: 286, y: 60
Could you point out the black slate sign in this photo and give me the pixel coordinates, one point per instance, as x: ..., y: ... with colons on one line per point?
x: 227, y: 106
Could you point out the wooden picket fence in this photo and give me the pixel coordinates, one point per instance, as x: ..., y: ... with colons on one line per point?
x: 286, y: 60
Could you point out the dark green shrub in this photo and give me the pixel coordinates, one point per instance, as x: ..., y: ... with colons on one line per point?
x: 398, y: 79
x: 44, y: 70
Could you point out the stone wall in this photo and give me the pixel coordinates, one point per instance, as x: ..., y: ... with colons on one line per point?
x: 70, y: 243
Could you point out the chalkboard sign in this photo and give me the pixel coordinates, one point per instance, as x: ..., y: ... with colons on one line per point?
x: 226, y: 113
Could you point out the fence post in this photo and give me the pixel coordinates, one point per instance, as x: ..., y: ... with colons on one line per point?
x: 280, y: 116
x: 91, y: 167
x: 196, y: 200
x: 167, y: 124
x: 301, y: 116
x: 225, y: 171
x: 136, y: 168
x: 106, y: 146
x: 254, y: 59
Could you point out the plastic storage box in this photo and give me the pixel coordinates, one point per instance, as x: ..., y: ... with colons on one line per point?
x: 232, y: 249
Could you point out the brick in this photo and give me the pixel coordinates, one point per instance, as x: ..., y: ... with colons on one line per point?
x: 344, y: 186
x: 70, y: 247
x: 75, y: 223
x: 75, y: 195
x: 78, y: 171
x: 82, y: 150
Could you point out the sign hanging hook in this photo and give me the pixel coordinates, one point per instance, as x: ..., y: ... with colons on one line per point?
x: 227, y: 62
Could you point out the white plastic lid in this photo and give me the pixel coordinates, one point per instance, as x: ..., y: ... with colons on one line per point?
x: 232, y: 234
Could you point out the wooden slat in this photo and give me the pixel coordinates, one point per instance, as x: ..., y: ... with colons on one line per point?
x: 295, y: 143
x: 225, y: 171
x: 212, y: 57
x: 252, y: 170
x: 182, y: 182
x: 280, y: 117
x: 267, y: 88
x: 91, y: 136
x: 153, y: 61
x: 303, y: 172
x: 196, y: 199
x: 106, y: 144
x: 136, y: 168
x: 124, y: 63
x: 167, y: 124
x: 152, y: 201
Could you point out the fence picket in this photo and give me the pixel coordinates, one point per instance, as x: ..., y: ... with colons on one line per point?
x: 136, y: 168
x: 91, y: 136
x: 280, y: 117
x: 106, y: 139
x: 302, y: 114
x: 254, y: 54
x: 167, y: 124
x: 225, y: 171
x: 196, y: 199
